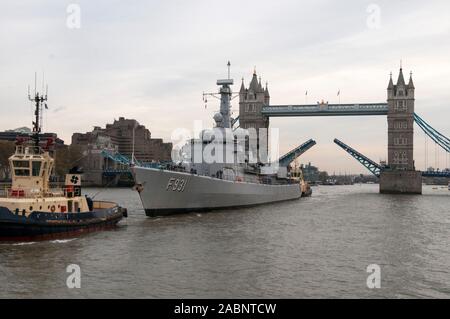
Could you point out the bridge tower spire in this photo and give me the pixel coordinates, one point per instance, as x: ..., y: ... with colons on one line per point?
x: 251, y: 103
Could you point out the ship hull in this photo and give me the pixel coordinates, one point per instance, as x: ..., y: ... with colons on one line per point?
x: 42, y: 225
x: 167, y: 192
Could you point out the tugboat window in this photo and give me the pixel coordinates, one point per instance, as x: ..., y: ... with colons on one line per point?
x: 22, y: 172
x: 36, y: 168
x: 18, y: 164
x: 21, y: 168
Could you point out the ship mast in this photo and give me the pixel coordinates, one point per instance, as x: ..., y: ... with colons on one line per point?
x: 225, y: 95
x: 38, y: 100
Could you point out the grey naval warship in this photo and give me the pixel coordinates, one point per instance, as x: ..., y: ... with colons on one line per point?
x: 190, y: 185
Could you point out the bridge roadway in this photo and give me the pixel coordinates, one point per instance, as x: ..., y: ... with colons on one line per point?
x: 436, y: 174
x: 324, y: 109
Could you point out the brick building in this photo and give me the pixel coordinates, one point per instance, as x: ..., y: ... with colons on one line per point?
x: 117, y: 138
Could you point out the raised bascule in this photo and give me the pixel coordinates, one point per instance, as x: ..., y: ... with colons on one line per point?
x: 399, y: 174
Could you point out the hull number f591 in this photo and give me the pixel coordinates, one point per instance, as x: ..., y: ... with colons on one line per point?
x: 176, y: 185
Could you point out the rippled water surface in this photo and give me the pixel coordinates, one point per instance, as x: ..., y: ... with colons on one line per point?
x: 314, y: 247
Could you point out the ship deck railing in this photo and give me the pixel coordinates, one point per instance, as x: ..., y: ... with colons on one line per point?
x: 33, y: 193
x: 257, y: 178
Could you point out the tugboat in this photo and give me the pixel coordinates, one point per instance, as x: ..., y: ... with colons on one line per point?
x: 297, y: 174
x: 30, y: 209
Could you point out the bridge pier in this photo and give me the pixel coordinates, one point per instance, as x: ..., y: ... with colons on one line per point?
x: 400, y: 182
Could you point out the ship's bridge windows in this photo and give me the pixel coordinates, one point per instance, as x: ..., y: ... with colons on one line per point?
x: 22, y: 172
x: 20, y: 164
x: 21, y: 168
x: 36, y: 168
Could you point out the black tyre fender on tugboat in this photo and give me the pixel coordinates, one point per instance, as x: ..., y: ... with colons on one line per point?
x: 90, y: 203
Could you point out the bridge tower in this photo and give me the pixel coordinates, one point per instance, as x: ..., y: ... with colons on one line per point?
x: 251, y: 103
x: 401, y: 124
x: 400, y: 176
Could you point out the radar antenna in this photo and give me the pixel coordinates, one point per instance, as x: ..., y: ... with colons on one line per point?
x: 223, y: 83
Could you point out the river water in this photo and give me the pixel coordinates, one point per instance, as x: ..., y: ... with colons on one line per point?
x: 318, y: 247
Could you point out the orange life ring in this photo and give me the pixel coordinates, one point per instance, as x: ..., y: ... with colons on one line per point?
x: 53, y: 208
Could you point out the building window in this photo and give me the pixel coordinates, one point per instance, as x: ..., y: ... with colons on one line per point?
x: 400, y: 141
x: 403, y: 158
x: 400, y: 106
x: 400, y: 158
x: 400, y: 124
x: 250, y: 108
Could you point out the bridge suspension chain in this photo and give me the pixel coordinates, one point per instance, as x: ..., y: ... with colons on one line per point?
x: 437, y: 137
x: 426, y: 152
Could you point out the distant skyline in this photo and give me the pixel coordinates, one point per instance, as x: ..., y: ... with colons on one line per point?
x: 151, y: 61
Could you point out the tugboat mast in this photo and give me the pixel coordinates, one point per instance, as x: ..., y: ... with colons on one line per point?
x: 38, y: 100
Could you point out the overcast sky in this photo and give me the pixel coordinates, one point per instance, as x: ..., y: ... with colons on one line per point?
x: 151, y: 60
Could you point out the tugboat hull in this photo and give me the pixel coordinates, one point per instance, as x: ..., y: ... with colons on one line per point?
x: 43, y: 225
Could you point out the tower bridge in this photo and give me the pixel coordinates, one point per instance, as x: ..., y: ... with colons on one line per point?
x: 399, y: 174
